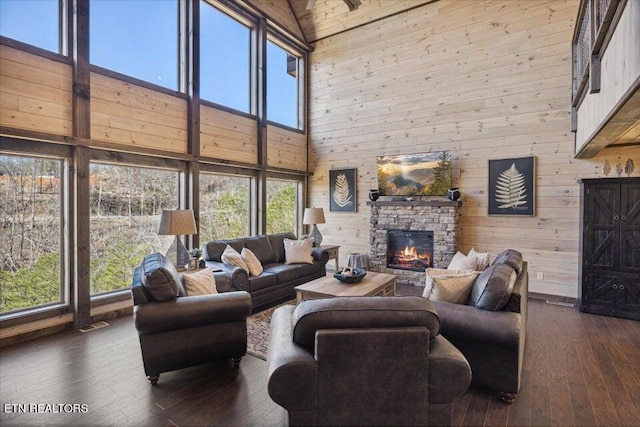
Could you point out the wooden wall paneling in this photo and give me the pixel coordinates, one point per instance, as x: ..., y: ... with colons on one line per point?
x: 279, y: 11
x: 287, y: 149
x: 123, y: 113
x: 35, y: 92
x: 228, y: 136
x: 483, y: 80
x: 329, y: 17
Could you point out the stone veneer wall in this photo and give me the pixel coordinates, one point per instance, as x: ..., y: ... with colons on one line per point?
x: 440, y: 216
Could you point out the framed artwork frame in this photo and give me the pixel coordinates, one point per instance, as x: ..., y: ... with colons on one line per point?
x: 512, y: 187
x: 342, y: 190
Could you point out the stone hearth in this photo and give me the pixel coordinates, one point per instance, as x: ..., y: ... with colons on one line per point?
x: 439, y: 216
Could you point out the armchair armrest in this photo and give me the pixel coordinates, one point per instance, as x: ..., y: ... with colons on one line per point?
x: 491, y: 328
x: 189, y: 312
x: 291, y: 370
x: 320, y: 255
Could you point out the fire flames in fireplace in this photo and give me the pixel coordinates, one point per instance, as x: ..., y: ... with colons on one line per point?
x: 410, y: 259
x: 409, y: 249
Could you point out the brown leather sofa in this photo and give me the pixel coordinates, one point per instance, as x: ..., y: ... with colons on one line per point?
x: 364, y: 361
x: 178, y: 331
x: 277, y: 281
x: 492, y: 340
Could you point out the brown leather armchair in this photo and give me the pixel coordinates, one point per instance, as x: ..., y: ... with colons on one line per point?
x: 364, y: 361
x: 185, y: 331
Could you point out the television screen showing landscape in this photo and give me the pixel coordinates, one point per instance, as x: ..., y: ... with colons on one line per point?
x: 426, y: 174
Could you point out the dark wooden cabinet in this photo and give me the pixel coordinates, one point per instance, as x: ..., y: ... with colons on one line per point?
x: 610, y: 242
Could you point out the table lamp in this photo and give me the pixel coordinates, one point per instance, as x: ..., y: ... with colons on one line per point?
x: 178, y: 222
x: 313, y: 216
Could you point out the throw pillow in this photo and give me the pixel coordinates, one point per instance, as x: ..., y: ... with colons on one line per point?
x: 252, y: 261
x: 493, y: 288
x: 461, y: 261
x: 482, y: 259
x: 160, y: 278
x: 449, y: 285
x: 200, y: 282
x: 298, y: 251
x: 231, y: 256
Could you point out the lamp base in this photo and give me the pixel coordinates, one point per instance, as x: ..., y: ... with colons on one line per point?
x: 315, y: 235
x: 178, y: 254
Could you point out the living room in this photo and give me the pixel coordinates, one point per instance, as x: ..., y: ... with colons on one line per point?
x: 483, y: 81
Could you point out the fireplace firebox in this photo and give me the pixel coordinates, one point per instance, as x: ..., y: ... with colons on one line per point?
x: 409, y: 249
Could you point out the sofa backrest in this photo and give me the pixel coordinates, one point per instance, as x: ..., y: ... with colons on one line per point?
x: 361, y: 312
x: 156, y: 279
x: 268, y: 248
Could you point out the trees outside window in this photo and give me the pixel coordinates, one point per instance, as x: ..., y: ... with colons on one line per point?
x: 125, y: 208
x: 34, y: 22
x: 283, y: 94
x: 225, y: 59
x: 282, y: 206
x: 31, y: 243
x: 224, y: 207
x: 138, y: 38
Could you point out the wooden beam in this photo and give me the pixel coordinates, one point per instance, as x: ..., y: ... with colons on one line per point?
x: 81, y: 70
x: 79, y: 252
x: 261, y: 187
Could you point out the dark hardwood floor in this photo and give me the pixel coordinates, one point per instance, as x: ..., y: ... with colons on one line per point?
x: 579, y: 369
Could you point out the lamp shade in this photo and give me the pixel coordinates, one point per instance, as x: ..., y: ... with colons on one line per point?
x: 313, y: 216
x: 177, y: 222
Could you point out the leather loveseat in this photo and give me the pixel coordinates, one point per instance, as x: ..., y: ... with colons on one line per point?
x: 278, y: 279
x: 364, y: 361
x: 492, y: 340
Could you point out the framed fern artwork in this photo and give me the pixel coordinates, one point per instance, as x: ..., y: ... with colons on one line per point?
x: 342, y: 190
x: 512, y: 186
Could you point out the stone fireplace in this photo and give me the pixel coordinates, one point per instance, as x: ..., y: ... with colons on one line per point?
x: 403, y: 222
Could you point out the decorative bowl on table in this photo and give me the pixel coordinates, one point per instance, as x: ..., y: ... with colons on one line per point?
x: 351, y: 275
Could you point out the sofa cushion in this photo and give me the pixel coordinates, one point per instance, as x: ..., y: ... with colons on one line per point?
x: 262, y: 281
x: 449, y: 285
x: 492, y: 289
x: 261, y: 247
x: 284, y: 272
x: 510, y: 257
x: 298, y: 251
x: 214, y: 249
x: 231, y: 256
x: 482, y: 259
x: 160, y: 278
x: 253, y: 263
x: 277, y: 244
x: 199, y: 282
x: 310, y: 316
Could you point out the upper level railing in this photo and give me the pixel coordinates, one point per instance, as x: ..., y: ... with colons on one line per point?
x: 595, y: 25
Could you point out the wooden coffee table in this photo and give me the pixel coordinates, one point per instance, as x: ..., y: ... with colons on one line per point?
x: 374, y: 284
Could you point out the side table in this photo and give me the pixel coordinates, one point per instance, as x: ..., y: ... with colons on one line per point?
x: 334, y: 254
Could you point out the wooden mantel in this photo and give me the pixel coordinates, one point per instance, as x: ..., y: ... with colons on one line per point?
x: 431, y: 202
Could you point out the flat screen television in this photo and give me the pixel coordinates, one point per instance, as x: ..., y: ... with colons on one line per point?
x: 426, y: 174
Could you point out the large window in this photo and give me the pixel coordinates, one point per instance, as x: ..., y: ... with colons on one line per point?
x: 225, y: 48
x: 31, y: 242
x: 224, y: 207
x: 284, y: 97
x: 34, y: 22
x: 282, y: 206
x: 138, y: 38
x: 126, y: 205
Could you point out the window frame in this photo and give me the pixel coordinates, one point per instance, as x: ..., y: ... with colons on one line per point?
x: 20, y: 148
x: 300, y: 196
x: 251, y: 23
x: 137, y: 161
x: 301, y: 108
